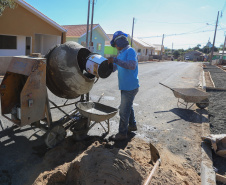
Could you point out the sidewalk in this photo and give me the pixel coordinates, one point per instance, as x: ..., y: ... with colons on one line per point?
x: 217, y: 114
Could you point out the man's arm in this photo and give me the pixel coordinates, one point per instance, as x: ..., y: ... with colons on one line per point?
x: 114, y: 67
x: 131, y: 60
x: 131, y: 64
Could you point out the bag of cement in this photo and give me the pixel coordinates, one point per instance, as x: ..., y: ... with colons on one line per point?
x: 218, y: 143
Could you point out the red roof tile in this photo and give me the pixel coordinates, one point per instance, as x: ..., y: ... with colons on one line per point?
x: 77, y: 30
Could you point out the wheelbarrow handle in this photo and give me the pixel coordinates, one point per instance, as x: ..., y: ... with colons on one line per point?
x: 166, y: 86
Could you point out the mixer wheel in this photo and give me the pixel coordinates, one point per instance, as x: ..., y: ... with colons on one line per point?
x: 55, y: 135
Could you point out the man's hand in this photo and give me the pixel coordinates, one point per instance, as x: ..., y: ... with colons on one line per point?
x: 110, y: 60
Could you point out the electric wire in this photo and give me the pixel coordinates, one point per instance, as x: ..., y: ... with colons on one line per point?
x: 178, y: 34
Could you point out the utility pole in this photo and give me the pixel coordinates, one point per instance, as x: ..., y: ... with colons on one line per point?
x: 211, y: 56
x: 162, y: 46
x: 132, y: 33
x: 172, y: 47
x: 87, y: 29
x: 172, y: 51
x: 223, y: 51
x: 91, y: 31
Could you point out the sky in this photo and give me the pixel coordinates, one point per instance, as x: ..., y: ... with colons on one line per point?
x: 184, y: 23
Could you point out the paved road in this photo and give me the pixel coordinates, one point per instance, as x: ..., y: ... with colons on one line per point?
x: 158, y: 118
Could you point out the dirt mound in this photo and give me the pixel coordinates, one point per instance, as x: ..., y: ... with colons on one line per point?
x: 175, y: 170
x: 97, y: 165
x: 103, y: 163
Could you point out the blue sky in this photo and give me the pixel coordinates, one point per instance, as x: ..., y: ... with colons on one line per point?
x: 152, y: 18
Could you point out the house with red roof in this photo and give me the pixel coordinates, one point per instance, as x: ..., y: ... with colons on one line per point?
x: 77, y: 33
x: 26, y: 30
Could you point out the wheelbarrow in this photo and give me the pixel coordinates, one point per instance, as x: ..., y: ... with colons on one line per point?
x: 93, y: 113
x: 80, y: 121
x: 190, y: 95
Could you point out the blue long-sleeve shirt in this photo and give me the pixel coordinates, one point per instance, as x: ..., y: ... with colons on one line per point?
x: 127, y: 65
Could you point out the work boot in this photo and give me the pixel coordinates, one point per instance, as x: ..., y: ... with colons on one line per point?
x: 118, y: 137
x: 132, y: 128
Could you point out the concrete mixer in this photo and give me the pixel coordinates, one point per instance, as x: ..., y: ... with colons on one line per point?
x: 69, y: 71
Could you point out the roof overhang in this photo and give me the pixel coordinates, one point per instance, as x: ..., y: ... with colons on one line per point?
x: 102, y: 32
x: 143, y: 44
x: 40, y: 15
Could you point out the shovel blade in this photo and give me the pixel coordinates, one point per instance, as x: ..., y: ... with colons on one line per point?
x: 154, y: 153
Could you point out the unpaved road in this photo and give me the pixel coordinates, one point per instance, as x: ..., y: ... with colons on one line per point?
x: 158, y: 119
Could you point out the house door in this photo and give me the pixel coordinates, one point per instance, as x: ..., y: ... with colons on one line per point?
x: 28, y: 46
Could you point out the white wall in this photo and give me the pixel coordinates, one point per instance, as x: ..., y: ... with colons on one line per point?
x: 45, y: 42
x: 21, y: 43
x: 38, y: 43
x: 4, y: 63
x: 49, y: 41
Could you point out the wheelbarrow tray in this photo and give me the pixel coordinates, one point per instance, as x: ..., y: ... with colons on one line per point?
x: 96, y: 111
x: 190, y: 95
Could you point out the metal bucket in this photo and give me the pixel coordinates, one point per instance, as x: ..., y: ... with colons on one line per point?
x: 98, y: 66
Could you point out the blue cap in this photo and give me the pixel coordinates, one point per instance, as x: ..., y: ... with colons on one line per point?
x: 117, y: 34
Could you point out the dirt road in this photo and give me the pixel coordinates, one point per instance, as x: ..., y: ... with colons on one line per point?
x: 159, y: 120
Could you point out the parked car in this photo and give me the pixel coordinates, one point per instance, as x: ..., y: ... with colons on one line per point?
x: 186, y: 58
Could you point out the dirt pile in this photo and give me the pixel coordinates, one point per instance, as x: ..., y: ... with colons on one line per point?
x: 97, y: 165
x: 103, y: 163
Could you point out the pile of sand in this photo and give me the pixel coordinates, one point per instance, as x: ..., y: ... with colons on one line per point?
x: 101, y: 164
x: 97, y: 165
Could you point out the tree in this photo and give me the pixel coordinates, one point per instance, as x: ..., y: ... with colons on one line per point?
x: 221, y: 46
x: 176, y: 54
x: 207, y: 49
x: 6, y: 3
x: 197, y: 47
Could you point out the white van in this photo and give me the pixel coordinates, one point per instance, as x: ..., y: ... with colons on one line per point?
x: 187, y: 58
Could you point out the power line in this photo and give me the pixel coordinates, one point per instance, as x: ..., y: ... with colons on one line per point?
x: 178, y: 34
x: 174, y: 22
x: 195, y: 44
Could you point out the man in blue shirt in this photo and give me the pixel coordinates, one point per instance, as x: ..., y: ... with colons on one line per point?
x: 127, y: 65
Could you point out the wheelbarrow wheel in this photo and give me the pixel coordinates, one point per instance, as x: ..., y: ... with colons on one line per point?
x: 203, y: 105
x: 55, y: 135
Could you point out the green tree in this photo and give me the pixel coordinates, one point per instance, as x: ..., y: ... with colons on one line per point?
x: 207, y: 49
x: 221, y: 47
x: 176, y: 54
x: 6, y: 3
x: 197, y: 47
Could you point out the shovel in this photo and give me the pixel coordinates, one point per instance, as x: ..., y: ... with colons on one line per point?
x: 155, y: 158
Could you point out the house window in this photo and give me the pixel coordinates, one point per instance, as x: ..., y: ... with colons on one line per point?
x: 8, y: 42
x: 98, y: 46
x: 83, y: 44
x: 139, y: 50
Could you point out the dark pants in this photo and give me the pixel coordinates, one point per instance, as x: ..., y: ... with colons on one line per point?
x: 126, y: 110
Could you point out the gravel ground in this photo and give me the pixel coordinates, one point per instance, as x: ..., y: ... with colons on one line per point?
x: 217, y: 116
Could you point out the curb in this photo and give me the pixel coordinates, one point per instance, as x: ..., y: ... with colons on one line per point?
x: 203, y: 81
x: 208, y: 176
